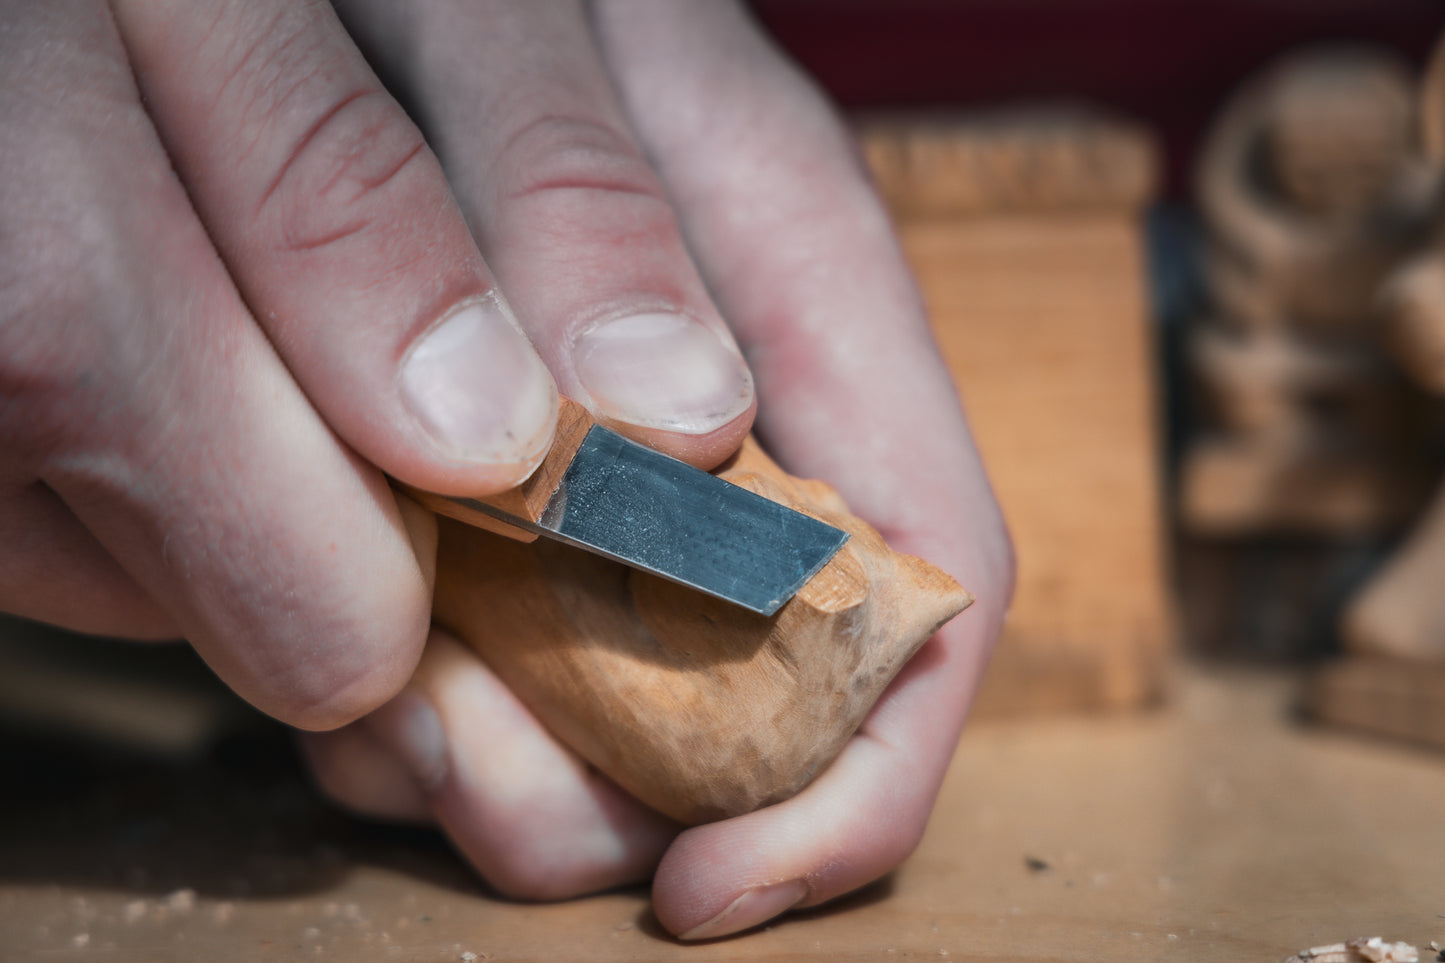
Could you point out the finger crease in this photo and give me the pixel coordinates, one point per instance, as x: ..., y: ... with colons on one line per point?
x: 299, y: 149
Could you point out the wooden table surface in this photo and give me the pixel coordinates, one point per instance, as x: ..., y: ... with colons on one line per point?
x: 1215, y: 829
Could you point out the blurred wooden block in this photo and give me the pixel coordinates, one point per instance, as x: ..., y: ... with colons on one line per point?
x: 1398, y: 698
x: 1025, y: 234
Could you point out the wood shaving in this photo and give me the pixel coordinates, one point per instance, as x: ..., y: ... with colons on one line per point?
x: 1371, y: 950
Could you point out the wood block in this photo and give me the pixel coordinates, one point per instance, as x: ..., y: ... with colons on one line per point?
x: 1398, y: 698
x: 1039, y: 309
x: 1046, y: 159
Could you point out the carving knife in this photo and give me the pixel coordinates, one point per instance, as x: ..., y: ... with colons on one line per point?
x: 601, y: 492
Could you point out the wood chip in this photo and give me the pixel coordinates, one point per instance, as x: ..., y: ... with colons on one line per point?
x: 1365, y: 950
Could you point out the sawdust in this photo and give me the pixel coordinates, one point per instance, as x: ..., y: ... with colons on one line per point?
x: 1373, y: 949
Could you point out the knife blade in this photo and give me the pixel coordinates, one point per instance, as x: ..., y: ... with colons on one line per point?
x: 606, y: 494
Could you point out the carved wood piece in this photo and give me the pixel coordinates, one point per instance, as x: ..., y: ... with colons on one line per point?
x: 1412, y: 319
x: 700, y: 709
x: 1313, y: 191
x: 1231, y: 488
x: 1261, y: 383
x: 1401, y: 611
x: 1341, y: 131
x: 1398, y: 698
x: 1311, y: 213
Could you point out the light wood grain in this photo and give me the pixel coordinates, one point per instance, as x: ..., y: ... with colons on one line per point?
x: 1041, y: 319
x: 1051, y: 160
x: 699, y: 708
x: 1023, y: 231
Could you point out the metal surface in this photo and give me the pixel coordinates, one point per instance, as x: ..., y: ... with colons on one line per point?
x: 654, y: 513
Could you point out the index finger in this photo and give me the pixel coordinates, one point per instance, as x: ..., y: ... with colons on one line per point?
x: 336, y: 221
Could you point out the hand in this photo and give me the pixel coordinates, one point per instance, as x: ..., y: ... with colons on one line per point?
x: 586, y: 148
x: 235, y: 288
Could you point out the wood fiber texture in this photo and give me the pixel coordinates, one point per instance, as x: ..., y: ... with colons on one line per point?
x: 699, y: 708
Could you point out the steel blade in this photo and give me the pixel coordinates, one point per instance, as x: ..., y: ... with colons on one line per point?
x: 654, y: 513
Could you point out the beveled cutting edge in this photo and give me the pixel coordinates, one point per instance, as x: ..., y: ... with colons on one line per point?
x: 626, y: 502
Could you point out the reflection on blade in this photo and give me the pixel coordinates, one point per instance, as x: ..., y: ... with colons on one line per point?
x: 657, y: 514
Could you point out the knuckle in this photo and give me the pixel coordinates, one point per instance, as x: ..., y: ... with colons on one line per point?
x: 320, y: 701
x: 320, y: 686
x: 563, y: 162
x: 359, y: 166
x: 320, y: 698
x: 330, y: 771
x: 74, y: 281
x: 51, y: 346
x: 346, y: 767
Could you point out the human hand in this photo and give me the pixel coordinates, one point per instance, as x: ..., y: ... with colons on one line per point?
x: 663, y: 115
x: 235, y: 289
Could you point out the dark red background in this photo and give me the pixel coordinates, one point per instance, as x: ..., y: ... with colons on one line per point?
x: 1167, y: 62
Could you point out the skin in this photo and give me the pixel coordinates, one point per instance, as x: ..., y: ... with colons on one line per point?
x: 210, y: 305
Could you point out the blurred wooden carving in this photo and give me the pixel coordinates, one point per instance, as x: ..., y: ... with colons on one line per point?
x: 1313, y: 191
x: 1024, y: 232
x: 1392, y: 680
x: 701, y: 709
x: 1401, y: 611
x: 1398, y: 698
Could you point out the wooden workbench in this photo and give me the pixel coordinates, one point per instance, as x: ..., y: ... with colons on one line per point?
x: 1217, y: 829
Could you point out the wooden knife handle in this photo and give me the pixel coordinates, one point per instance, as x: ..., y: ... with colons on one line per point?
x: 529, y: 499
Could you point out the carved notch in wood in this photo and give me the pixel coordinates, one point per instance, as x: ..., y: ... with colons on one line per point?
x: 700, y: 709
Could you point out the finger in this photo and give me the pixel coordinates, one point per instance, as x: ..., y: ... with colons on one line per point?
x: 337, y: 224
x: 801, y: 260
x: 727, y: 877
x: 800, y: 255
x: 356, y: 770
x: 135, y: 385
x: 571, y: 217
x: 795, y: 247
x: 536, y: 821
x: 53, y: 570
x: 855, y: 823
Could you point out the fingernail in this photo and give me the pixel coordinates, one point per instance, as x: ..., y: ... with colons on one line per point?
x: 662, y: 371
x: 478, y: 388
x: 410, y: 727
x: 753, y: 907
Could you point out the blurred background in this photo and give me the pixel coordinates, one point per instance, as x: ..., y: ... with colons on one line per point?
x: 1170, y: 65
x: 1184, y: 260
x: 1259, y: 491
